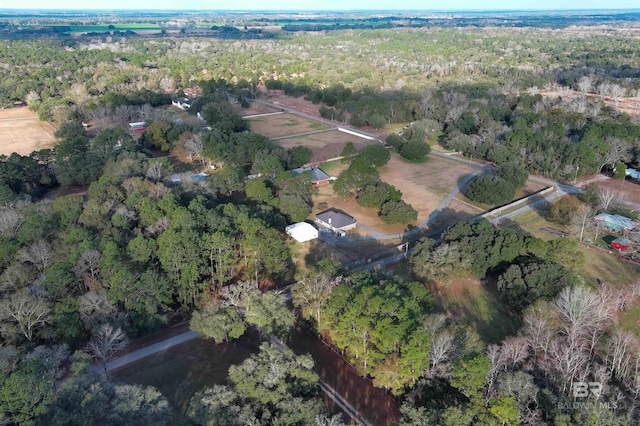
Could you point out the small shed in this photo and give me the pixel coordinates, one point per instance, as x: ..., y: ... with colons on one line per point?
x: 621, y: 244
x: 137, y: 126
x: 302, y: 231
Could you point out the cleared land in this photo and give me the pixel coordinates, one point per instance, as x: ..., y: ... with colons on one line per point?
x: 21, y: 131
x: 424, y: 185
x: 277, y: 126
x: 324, y: 145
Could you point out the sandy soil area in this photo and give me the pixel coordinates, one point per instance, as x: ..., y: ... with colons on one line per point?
x: 21, y: 131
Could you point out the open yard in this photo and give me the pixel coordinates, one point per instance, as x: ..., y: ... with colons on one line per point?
x: 21, y: 131
x: 325, y: 145
x: 279, y: 125
x: 424, y: 185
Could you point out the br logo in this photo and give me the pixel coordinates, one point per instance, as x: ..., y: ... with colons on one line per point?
x: 584, y: 389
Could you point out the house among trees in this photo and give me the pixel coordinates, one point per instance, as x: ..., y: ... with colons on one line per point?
x: 336, y: 220
x: 302, y: 232
x: 318, y: 176
x: 182, y: 103
x: 614, y: 222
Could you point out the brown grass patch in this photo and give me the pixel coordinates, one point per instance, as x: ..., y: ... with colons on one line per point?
x: 275, y: 126
x: 22, y: 132
x: 424, y: 185
x: 466, y: 300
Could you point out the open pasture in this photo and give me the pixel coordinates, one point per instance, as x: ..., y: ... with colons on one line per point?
x: 279, y: 125
x: 325, y: 145
x: 22, y: 132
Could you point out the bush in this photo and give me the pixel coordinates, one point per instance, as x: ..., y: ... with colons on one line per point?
x: 490, y: 189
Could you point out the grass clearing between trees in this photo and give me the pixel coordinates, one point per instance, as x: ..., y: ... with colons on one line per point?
x: 468, y: 301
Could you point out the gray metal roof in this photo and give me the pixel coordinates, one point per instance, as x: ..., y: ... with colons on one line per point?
x: 336, y: 218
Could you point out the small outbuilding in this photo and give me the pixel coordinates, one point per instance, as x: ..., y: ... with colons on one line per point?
x: 302, y: 232
x: 621, y: 244
x: 336, y: 220
x: 615, y: 222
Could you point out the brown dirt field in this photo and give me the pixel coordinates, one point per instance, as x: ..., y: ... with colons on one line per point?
x: 424, y: 185
x: 325, y: 145
x: 22, y: 132
x: 455, y: 212
x: 275, y: 126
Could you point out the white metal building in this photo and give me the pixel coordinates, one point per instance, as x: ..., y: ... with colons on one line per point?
x: 302, y: 231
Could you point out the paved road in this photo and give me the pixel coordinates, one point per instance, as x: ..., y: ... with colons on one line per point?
x: 147, y: 351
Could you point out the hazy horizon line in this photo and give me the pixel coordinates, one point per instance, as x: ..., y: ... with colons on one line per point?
x: 321, y: 10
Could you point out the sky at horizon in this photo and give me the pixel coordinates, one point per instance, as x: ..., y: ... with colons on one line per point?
x: 284, y: 5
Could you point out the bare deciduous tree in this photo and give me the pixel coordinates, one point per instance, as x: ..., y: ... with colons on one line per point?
x: 25, y: 310
x: 88, y: 264
x: 10, y: 221
x: 617, y: 150
x: 606, y: 197
x: 617, y: 92
x: 603, y: 90
x: 193, y: 146
x: 581, y: 220
x: 585, y: 83
x: 106, y: 342
x: 95, y: 309
x: 457, y: 104
x: 39, y: 254
x: 442, y: 348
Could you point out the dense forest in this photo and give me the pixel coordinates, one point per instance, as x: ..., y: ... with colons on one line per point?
x: 136, y: 245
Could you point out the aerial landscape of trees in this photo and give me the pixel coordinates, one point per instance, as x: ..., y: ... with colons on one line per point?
x: 107, y: 237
